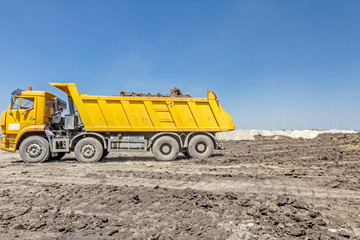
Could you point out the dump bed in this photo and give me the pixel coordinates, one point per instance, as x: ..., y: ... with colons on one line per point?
x: 148, y: 114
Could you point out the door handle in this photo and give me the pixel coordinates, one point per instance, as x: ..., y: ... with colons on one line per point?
x: 32, y: 118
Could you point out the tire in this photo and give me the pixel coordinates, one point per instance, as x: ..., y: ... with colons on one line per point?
x: 58, y: 157
x: 34, y: 149
x: 88, y: 150
x: 165, y: 148
x: 200, y: 146
x: 105, y: 153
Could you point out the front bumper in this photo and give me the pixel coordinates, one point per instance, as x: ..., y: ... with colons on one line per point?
x: 7, y: 144
x: 2, y: 143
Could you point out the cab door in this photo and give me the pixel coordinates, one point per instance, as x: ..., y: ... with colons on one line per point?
x: 21, y: 114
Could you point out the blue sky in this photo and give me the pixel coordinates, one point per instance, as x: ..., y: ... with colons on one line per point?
x: 273, y: 64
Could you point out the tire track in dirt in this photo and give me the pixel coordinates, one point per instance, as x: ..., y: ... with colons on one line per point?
x: 267, y: 187
x: 283, y: 189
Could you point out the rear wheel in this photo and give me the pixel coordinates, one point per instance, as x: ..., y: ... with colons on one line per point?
x: 200, y: 146
x: 88, y: 150
x: 34, y: 149
x: 165, y: 148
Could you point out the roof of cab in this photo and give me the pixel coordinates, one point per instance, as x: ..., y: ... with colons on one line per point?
x: 37, y: 93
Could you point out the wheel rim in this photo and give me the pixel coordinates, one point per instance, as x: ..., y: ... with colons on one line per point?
x: 88, y: 151
x: 34, y: 150
x: 165, y: 149
x: 201, y: 147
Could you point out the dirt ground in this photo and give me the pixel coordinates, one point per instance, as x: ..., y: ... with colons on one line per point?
x: 263, y: 189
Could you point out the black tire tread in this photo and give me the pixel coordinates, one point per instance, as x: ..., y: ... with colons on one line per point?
x: 89, y: 140
x: 38, y: 139
x: 156, y: 148
x: 209, y: 146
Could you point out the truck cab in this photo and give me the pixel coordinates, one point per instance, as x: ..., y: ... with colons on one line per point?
x: 29, y: 113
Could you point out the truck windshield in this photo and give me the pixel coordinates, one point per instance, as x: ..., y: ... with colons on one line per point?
x: 16, y: 92
x: 16, y: 103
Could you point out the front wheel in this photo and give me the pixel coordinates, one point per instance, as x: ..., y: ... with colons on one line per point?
x: 34, y: 149
x: 200, y: 146
x: 88, y: 150
x: 165, y: 148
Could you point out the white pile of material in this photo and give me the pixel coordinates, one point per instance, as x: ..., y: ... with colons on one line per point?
x: 249, y: 134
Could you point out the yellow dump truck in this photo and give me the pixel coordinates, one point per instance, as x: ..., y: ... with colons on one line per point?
x: 35, y: 125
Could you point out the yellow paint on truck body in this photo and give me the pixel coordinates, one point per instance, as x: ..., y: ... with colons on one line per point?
x: 148, y: 114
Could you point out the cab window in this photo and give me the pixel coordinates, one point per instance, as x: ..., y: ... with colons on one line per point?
x: 27, y: 103
x: 48, y: 102
x: 16, y: 103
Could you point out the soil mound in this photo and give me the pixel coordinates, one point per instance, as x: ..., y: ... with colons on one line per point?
x: 275, y: 137
x: 338, y: 136
x: 175, y: 92
x: 242, y: 134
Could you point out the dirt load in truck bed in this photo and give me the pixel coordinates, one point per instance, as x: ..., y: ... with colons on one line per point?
x: 175, y: 92
x: 284, y: 189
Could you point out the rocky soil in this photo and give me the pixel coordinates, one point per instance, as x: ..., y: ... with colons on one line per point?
x: 175, y: 92
x: 263, y: 189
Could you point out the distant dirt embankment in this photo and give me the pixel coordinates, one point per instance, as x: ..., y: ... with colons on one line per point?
x: 276, y: 134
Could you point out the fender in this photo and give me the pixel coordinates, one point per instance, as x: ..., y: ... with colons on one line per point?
x: 3, y: 122
x: 72, y: 142
x: 216, y: 143
x: 32, y: 128
x: 165, y: 133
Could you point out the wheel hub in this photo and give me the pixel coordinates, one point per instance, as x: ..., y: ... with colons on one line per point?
x: 88, y: 151
x: 34, y: 150
x: 201, y: 147
x: 166, y: 149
